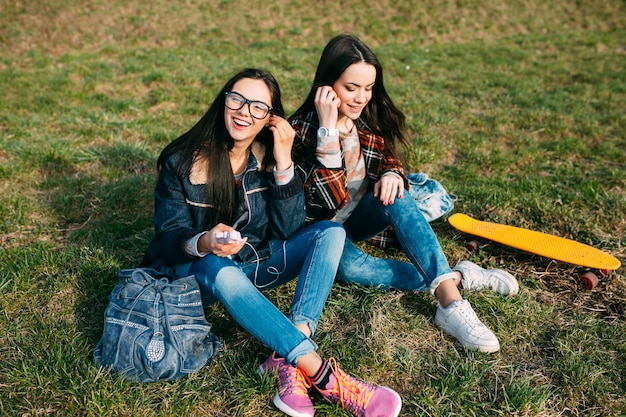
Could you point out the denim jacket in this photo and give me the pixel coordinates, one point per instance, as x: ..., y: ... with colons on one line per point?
x: 326, y: 188
x: 182, y: 211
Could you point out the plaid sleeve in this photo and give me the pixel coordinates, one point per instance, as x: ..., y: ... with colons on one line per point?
x: 325, y: 188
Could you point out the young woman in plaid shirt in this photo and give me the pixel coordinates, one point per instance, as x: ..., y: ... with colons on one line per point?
x: 346, y: 148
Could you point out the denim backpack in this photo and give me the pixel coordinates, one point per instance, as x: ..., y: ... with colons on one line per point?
x: 155, y: 328
x: 432, y: 199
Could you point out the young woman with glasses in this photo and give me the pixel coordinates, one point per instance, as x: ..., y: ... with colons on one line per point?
x: 348, y: 132
x: 229, y: 209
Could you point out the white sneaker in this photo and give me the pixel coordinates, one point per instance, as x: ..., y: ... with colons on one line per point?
x: 460, y: 321
x: 477, y: 278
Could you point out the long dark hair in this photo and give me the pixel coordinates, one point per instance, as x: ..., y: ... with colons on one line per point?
x: 209, y: 140
x: 380, y: 114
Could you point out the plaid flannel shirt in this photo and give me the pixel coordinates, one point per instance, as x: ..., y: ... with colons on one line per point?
x: 326, y: 188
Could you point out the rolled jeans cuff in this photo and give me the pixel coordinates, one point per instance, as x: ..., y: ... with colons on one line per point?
x: 303, y: 348
x: 441, y: 278
x: 300, y: 319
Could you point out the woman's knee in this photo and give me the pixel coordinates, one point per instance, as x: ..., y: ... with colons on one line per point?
x: 231, y: 280
x: 216, y: 274
x: 331, y: 229
x: 404, y: 211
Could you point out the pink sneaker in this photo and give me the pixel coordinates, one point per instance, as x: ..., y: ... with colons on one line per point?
x: 360, y: 398
x: 292, y: 393
x: 270, y: 365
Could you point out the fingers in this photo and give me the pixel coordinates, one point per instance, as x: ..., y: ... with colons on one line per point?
x: 211, y: 244
x: 388, y: 188
x: 281, y: 129
x: 326, y: 104
x: 227, y: 249
x: 325, y: 95
x: 284, y: 136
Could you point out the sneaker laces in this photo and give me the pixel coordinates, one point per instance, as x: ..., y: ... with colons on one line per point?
x: 349, y: 391
x: 469, y: 314
x: 292, y: 381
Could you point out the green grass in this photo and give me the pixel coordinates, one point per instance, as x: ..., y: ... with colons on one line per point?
x: 517, y: 107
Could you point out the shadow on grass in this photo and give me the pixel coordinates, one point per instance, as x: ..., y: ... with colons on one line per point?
x: 101, y: 203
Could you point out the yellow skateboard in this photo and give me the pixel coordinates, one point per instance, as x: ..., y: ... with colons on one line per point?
x: 550, y: 246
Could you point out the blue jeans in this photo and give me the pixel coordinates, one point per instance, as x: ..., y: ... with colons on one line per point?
x: 312, y: 254
x: 428, y: 265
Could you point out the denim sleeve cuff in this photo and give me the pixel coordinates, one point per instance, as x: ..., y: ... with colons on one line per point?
x: 191, y: 247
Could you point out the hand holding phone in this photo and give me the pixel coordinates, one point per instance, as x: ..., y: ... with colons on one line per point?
x: 229, y: 236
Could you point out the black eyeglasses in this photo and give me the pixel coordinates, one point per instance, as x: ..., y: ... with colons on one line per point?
x: 258, y: 109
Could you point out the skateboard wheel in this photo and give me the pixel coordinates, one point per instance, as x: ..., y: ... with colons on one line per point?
x: 472, y: 246
x: 588, y: 280
x: 604, y: 272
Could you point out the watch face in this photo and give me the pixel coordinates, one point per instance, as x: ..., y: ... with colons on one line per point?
x: 322, y: 132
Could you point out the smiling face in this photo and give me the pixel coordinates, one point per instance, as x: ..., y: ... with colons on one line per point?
x: 354, y: 89
x: 240, y: 124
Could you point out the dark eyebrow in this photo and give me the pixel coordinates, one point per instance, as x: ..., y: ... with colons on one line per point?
x: 357, y: 85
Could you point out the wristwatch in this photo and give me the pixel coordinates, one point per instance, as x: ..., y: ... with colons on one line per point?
x: 323, y: 132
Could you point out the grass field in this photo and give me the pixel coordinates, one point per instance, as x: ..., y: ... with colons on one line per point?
x: 519, y: 108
